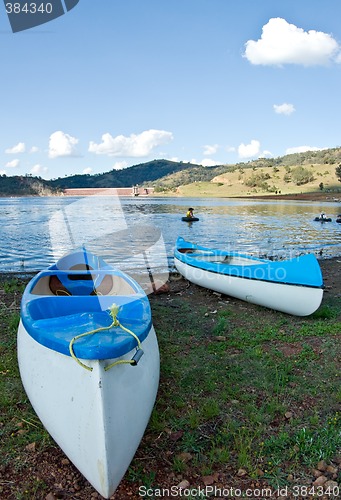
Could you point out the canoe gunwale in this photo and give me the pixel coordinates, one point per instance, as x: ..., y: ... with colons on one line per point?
x: 286, y: 272
x: 251, y: 278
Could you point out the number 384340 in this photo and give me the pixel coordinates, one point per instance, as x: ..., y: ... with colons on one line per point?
x: 29, y: 8
x: 316, y: 491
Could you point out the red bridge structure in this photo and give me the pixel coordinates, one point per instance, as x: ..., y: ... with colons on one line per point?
x: 133, y: 191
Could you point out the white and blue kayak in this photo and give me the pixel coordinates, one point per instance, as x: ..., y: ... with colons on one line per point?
x: 292, y: 286
x: 89, y: 362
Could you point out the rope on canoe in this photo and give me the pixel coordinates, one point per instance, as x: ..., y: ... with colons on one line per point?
x: 113, y: 311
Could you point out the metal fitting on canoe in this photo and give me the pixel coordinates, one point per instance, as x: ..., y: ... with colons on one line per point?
x: 137, y: 356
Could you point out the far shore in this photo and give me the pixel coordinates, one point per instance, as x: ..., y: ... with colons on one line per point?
x: 318, y: 196
x: 122, y: 193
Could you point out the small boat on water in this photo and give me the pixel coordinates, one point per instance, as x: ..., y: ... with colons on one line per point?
x: 189, y: 219
x: 292, y: 286
x: 338, y: 219
x: 322, y: 219
x: 89, y: 362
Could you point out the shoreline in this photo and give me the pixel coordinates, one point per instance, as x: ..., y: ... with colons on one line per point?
x: 295, y: 197
x: 330, y: 267
x: 309, y: 196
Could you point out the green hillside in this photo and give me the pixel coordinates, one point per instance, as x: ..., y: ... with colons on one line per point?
x: 138, y: 174
x: 312, y: 171
x: 25, y: 186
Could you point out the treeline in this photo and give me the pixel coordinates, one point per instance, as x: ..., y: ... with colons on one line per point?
x: 127, y: 177
x: 168, y: 175
x: 294, y: 164
x: 25, y: 186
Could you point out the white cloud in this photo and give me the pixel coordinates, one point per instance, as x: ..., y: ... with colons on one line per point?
x: 38, y: 169
x: 18, y: 148
x: 61, y: 144
x: 249, y: 150
x: 210, y: 150
x: 207, y: 162
x: 136, y: 145
x: 2, y: 172
x: 34, y: 149
x: 87, y: 170
x: 13, y: 164
x: 302, y: 149
x: 119, y: 165
x: 266, y: 154
x: 284, y: 43
x: 230, y: 149
x: 172, y: 158
x: 284, y: 109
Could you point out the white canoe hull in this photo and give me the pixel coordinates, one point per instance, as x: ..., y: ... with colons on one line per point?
x: 290, y: 299
x: 98, y: 418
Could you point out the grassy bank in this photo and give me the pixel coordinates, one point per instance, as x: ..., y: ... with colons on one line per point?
x: 248, y: 398
x: 323, y: 183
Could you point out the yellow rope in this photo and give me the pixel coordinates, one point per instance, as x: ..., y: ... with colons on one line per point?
x: 63, y: 292
x: 113, y: 311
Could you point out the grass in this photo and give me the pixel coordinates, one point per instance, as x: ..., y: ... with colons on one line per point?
x: 258, y: 391
x: 19, y: 425
x: 234, y: 184
x: 244, y: 401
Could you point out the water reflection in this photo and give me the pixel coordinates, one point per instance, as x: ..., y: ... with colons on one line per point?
x: 31, y: 228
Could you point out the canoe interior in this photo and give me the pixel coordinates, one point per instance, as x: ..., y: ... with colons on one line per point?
x: 302, y: 271
x: 76, y: 283
x: 59, y: 305
x: 219, y: 257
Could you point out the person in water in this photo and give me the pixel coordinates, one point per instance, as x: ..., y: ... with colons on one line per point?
x: 190, y: 213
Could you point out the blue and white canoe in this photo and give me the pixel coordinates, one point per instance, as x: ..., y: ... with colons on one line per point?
x: 292, y: 286
x: 84, y: 327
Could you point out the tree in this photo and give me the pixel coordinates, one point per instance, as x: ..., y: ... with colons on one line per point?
x: 338, y: 172
x: 301, y: 175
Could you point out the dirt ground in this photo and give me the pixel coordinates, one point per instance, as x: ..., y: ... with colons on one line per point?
x: 331, y: 271
x: 63, y: 481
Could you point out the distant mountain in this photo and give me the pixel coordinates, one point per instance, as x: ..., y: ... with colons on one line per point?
x: 198, y: 173
x: 163, y: 175
x: 19, y: 185
x: 127, y: 177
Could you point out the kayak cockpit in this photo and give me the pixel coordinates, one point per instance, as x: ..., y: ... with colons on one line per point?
x: 219, y: 257
x: 76, y: 282
x: 54, y: 317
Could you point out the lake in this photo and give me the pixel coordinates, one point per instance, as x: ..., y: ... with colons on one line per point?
x: 140, y: 233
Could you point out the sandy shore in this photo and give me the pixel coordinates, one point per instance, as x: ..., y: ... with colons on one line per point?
x: 318, y: 196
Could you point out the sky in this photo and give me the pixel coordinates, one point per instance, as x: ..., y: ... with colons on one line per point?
x: 115, y: 83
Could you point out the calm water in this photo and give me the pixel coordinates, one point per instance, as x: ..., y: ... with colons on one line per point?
x: 132, y: 233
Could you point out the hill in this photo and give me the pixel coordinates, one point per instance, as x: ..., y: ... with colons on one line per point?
x: 311, y: 171
x: 138, y: 174
x: 25, y: 186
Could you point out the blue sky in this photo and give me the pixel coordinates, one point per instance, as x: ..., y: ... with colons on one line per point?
x: 114, y: 83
